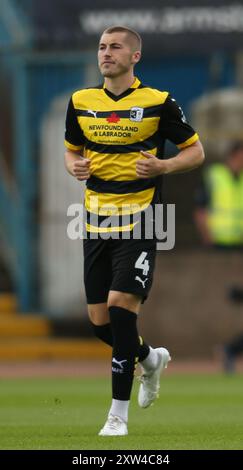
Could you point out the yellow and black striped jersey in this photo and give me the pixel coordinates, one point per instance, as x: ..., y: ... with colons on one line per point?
x: 111, y: 131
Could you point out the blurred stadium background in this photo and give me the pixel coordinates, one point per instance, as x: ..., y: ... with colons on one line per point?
x: 47, y: 50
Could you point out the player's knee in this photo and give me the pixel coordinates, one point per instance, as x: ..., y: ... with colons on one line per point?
x: 98, y: 314
x: 124, y: 300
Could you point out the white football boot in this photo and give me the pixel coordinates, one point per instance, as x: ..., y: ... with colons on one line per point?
x: 114, y: 426
x: 150, y: 380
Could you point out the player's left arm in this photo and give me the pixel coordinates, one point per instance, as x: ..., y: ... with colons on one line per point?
x: 186, y: 160
x: 175, y: 128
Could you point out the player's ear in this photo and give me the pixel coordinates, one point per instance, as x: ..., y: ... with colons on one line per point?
x: 136, y: 57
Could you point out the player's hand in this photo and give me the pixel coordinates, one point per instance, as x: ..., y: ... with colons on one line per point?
x: 81, y: 169
x: 150, y: 167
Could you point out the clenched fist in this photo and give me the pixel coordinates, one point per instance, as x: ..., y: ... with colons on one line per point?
x: 149, y: 167
x: 81, y: 169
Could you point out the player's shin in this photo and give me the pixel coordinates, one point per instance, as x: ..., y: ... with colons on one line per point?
x: 104, y: 333
x: 124, y: 358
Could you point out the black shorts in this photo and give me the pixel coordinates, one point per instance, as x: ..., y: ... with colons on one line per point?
x: 121, y: 265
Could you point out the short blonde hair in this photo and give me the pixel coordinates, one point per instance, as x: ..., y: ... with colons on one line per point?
x: 133, y: 36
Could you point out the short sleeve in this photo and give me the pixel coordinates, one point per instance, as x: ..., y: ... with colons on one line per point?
x: 74, y: 138
x: 173, y: 125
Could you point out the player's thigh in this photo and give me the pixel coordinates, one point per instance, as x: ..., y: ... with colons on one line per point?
x: 133, y: 263
x: 97, y: 271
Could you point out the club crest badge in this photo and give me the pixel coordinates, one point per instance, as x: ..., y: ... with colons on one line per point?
x: 136, y: 114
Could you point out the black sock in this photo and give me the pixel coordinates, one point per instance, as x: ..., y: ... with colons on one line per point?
x: 125, y: 351
x: 143, y: 351
x: 104, y: 333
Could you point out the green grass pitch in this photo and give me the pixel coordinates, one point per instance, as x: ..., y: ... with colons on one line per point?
x: 193, y: 412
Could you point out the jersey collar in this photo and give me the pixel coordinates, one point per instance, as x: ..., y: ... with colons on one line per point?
x: 127, y: 92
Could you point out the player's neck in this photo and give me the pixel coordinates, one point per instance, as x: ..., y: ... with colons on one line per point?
x: 117, y: 85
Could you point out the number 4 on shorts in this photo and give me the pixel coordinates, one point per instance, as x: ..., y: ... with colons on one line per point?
x: 143, y: 263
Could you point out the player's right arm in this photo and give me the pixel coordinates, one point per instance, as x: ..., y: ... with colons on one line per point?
x: 76, y: 165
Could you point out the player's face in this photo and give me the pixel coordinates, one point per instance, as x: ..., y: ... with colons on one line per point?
x: 115, y: 55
